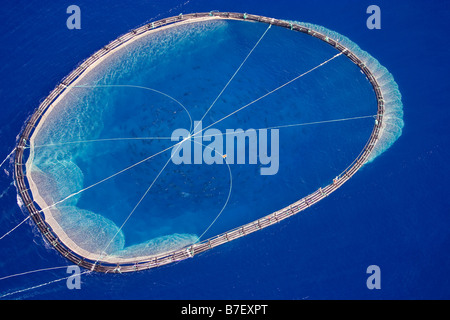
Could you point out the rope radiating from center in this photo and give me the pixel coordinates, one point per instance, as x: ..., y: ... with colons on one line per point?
x: 137, y: 205
x: 270, y: 92
x: 107, y: 178
x: 294, y: 125
x: 231, y: 79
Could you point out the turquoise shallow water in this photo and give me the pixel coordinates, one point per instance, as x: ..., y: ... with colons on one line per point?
x: 147, y: 90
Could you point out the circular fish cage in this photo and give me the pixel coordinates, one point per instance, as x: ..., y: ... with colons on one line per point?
x: 385, y: 129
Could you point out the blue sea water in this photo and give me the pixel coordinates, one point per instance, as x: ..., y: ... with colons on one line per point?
x: 393, y: 213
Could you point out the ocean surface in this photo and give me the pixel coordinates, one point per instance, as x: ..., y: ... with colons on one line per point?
x: 393, y: 213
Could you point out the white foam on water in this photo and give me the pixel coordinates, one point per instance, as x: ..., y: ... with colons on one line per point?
x: 392, y: 126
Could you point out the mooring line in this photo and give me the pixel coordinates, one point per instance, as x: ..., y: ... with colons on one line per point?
x: 28, y: 217
x: 7, y: 157
x: 30, y: 272
x: 40, y: 285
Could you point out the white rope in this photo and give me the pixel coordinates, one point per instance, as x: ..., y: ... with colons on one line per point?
x: 319, y: 122
x: 15, y: 228
x: 32, y: 271
x: 40, y: 285
x: 229, y: 192
x: 235, y: 73
x: 138, y: 87
x: 294, y: 125
x: 130, y: 167
x: 270, y: 92
x: 7, y: 157
x: 135, y: 207
x: 212, y: 135
x: 110, y: 177
x: 100, y: 140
